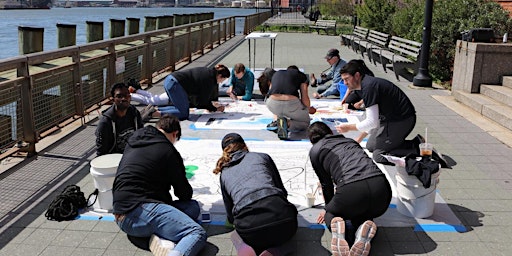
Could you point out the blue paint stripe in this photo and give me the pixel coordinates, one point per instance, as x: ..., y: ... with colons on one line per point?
x: 439, y: 228
x: 190, y: 138
x: 100, y: 218
x: 392, y: 206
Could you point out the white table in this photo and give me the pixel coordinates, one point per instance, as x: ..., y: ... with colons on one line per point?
x: 269, y: 36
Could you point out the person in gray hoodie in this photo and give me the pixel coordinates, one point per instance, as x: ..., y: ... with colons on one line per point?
x: 255, y: 199
x: 117, y: 123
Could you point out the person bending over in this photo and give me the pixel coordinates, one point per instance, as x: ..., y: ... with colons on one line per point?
x: 143, y: 205
x: 117, y: 123
x: 289, y: 101
x: 255, y: 199
x: 389, y: 113
x: 242, y: 83
x: 194, y: 87
x: 360, y: 191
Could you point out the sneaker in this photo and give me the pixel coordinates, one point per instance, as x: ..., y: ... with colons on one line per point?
x: 282, y: 128
x: 272, y: 126
x: 241, y: 247
x: 312, y: 79
x: 147, y: 112
x: 159, y: 246
x: 339, y: 245
x: 364, y: 235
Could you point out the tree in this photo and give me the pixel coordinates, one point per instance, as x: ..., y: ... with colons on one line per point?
x: 375, y: 14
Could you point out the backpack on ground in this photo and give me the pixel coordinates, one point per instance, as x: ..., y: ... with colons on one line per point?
x: 67, y: 205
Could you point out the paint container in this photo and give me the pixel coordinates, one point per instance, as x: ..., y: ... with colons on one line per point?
x: 310, y: 199
x: 414, y: 200
x: 103, y: 170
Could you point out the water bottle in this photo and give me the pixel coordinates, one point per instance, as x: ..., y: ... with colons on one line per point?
x: 505, y: 37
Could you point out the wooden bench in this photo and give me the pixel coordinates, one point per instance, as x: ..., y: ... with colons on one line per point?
x: 285, y: 24
x: 324, y: 25
x: 402, y: 55
x: 358, y: 33
x: 376, y: 40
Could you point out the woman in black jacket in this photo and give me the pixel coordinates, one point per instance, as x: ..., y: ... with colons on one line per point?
x: 360, y: 191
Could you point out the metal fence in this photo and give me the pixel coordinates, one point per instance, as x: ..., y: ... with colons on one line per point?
x: 43, y: 91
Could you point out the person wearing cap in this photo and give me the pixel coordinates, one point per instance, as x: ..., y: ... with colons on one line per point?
x: 255, y: 199
x: 327, y: 89
x: 143, y: 205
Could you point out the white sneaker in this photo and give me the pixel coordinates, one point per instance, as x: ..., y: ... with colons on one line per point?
x: 159, y: 246
x: 364, y: 235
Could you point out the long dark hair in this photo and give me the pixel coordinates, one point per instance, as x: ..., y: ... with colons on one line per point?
x: 226, y: 154
x: 264, y: 80
x: 354, y: 66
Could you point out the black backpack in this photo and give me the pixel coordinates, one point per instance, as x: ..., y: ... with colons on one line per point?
x: 67, y: 205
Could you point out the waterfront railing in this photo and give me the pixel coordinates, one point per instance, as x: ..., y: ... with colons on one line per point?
x: 42, y: 92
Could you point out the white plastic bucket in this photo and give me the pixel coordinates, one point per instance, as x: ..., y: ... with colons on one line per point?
x: 103, y: 170
x: 413, y: 199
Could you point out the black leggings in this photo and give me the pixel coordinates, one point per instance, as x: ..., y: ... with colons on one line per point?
x: 267, y: 223
x: 359, y: 201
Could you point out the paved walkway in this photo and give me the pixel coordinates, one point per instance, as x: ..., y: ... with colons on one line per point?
x: 478, y: 188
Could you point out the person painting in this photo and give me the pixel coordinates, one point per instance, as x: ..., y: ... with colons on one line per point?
x: 389, y: 113
x: 143, y: 205
x: 194, y: 87
x: 117, y: 123
x: 242, y: 83
x: 255, y: 199
x: 289, y: 101
x: 360, y: 191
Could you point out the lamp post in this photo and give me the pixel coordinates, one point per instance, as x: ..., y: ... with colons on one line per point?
x: 423, y: 79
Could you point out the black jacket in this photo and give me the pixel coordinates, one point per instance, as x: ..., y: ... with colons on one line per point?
x: 340, y: 160
x: 201, y: 86
x: 113, y: 132
x: 150, y: 166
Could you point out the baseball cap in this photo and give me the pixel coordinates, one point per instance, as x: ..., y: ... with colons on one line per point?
x: 332, y: 53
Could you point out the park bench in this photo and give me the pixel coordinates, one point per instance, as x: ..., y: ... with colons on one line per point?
x: 402, y: 55
x: 285, y: 24
x: 376, y: 40
x: 358, y: 33
x: 324, y: 25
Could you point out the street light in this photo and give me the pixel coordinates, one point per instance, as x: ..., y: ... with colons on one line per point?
x: 423, y: 79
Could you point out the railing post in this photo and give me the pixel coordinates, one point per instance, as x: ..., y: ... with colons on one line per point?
x: 94, y: 31
x: 66, y: 35
x: 29, y: 130
x: 79, y: 96
x: 111, y: 68
x: 212, y: 41
x: 30, y: 39
x: 148, y: 61
x: 189, y: 51
x: 172, y: 57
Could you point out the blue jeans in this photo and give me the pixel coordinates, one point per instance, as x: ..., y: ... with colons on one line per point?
x: 328, y: 90
x: 179, y: 98
x: 167, y: 222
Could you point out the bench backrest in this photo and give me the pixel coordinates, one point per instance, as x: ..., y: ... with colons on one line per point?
x: 326, y: 23
x: 360, y: 32
x: 378, y: 38
x: 405, y: 47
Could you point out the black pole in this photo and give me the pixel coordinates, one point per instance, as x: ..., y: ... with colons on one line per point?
x: 423, y: 79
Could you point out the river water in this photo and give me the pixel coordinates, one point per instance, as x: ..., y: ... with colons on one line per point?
x: 48, y: 19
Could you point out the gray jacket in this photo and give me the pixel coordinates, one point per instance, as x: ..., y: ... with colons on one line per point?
x: 249, y: 177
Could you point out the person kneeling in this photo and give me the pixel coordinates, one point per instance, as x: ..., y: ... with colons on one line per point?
x: 255, y: 200
x: 143, y: 205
